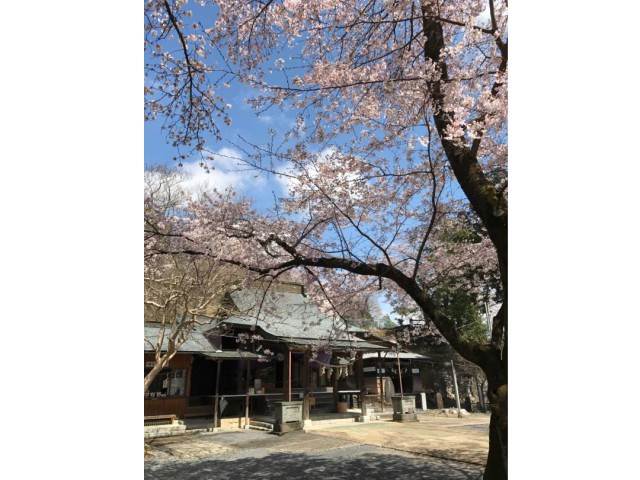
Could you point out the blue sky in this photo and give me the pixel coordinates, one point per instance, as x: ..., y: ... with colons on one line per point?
x: 228, y: 168
x: 245, y: 123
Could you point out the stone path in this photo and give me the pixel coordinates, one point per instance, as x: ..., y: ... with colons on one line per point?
x: 434, y: 448
x: 298, y: 455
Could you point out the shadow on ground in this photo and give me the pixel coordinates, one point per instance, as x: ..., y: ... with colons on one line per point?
x: 343, y: 462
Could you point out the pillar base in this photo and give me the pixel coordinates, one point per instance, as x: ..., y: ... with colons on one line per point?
x: 405, y: 417
x: 281, y: 428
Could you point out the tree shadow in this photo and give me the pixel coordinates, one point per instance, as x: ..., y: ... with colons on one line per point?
x: 350, y: 462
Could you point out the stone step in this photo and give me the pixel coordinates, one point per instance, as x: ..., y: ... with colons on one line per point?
x: 255, y: 425
x: 262, y: 429
x: 163, y: 430
x: 331, y: 421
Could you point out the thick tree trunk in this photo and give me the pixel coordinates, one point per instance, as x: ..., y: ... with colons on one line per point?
x: 150, y: 377
x: 161, y: 362
x: 496, y: 468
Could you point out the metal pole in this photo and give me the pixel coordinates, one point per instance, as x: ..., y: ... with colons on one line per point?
x: 215, y: 406
x: 455, y: 384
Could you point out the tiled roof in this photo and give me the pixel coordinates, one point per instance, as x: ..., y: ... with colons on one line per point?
x: 291, y: 317
x: 403, y: 355
x: 196, y: 343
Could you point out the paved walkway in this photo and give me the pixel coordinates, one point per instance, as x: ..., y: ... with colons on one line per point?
x: 435, y: 447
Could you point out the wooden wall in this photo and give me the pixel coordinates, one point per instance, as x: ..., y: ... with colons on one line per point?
x: 181, y: 360
x: 165, y: 406
x: 170, y: 405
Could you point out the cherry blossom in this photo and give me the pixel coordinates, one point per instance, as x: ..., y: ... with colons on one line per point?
x: 396, y: 167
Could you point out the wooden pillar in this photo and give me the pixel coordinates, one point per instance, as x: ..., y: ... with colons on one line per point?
x: 246, y: 398
x: 361, y: 384
x: 289, y: 379
x: 334, y: 383
x: 400, y: 374
x: 215, y: 403
x: 286, y: 381
x: 305, y: 386
x: 381, y: 380
x: 187, y: 390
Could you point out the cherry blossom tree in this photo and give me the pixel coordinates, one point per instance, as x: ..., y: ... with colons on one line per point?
x: 400, y: 135
x: 181, y: 291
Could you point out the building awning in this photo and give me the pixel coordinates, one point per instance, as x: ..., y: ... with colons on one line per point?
x: 358, y: 345
x: 195, y: 343
x: 394, y: 355
x: 233, y: 355
x: 198, y: 344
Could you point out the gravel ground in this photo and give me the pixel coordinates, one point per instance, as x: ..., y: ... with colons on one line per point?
x: 480, y: 427
x: 297, y: 455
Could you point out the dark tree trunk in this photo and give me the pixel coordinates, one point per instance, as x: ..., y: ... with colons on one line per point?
x: 496, y: 468
x: 492, y: 357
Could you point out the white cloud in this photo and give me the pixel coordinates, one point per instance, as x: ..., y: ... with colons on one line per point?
x: 228, y: 171
x: 287, y: 180
x: 327, y: 155
x: 268, y: 119
x: 484, y: 19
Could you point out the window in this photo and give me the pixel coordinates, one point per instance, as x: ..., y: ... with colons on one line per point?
x: 170, y: 382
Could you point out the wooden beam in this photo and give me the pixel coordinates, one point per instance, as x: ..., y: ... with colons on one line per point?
x: 381, y: 380
x: 334, y: 382
x: 305, y: 386
x: 215, y: 403
x: 361, y: 384
x: 289, y: 378
x: 286, y: 381
x: 400, y: 374
x: 187, y: 389
x: 246, y: 401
